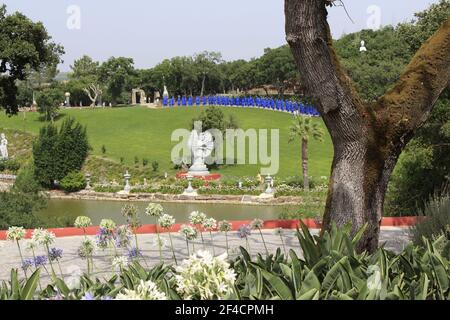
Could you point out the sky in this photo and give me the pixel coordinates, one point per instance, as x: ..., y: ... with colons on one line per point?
x: 151, y: 30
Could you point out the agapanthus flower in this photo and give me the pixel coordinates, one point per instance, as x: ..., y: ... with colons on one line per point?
x: 15, y: 233
x: 146, y: 290
x: 26, y: 264
x: 257, y: 224
x: 40, y: 261
x: 134, y: 253
x: 225, y: 226
x: 86, y: 249
x: 205, y: 277
x: 210, y: 224
x: 108, y: 225
x: 197, y: 217
x: 244, y: 231
x: 166, y: 221
x: 103, y: 237
x: 88, y: 296
x: 123, y: 236
x: 55, y: 254
x: 120, y: 262
x: 189, y: 232
x: 82, y: 222
x: 130, y: 212
x: 43, y: 236
x: 154, y: 210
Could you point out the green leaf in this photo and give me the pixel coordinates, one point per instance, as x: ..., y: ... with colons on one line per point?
x: 278, y: 285
x: 312, y: 294
x: 62, y: 287
x: 333, y: 274
x: 310, y: 282
x: 30, y: 287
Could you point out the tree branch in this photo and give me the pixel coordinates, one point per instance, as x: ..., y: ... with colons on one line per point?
x: 407, y: 105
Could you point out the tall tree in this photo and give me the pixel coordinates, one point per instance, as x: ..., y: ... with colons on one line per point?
x: 116, y: 73
x: 367, y: 137
x: 23, y: 44
x: 305, y: 128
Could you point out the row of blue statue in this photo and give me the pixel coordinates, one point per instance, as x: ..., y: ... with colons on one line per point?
x: 265, y: 103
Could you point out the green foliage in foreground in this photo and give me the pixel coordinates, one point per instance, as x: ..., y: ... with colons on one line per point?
x: 330, y: 268
x: 436, y: 222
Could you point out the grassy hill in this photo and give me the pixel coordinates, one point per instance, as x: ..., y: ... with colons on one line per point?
x: 140, y: 132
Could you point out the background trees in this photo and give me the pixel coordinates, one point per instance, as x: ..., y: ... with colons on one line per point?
x: 23, y: 44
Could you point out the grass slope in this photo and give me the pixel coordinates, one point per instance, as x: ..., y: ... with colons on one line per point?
x: 145, y: 133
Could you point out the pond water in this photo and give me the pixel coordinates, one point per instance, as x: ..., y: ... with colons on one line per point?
x: 68, y: 210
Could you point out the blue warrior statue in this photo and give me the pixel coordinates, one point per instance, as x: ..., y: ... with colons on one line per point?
x: 183, y: 100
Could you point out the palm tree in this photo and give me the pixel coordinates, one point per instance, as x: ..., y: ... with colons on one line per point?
x: 305, y: 128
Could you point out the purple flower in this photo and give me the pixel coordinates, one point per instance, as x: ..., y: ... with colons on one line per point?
x: 55, y: 254
x: 244, y: 231
x: 103, y: 237
x: 27, y: 263
x: 40, y: 261
x: 88, y: 296
x: 134, y: 253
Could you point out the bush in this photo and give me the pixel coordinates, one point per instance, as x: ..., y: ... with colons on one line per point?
x: 436, y: 222
x: 73, y: 182
x: 20, y: 205
x: 155, y: 166
x: 57, y: 153
x: 9, y: 165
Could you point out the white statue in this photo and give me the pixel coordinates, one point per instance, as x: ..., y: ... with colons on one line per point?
x: 3, y: 147
x: 201, y: 145
x: 363, y: 46
x: 166, y: 92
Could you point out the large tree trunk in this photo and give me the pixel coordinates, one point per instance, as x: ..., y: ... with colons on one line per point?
x: 367, y: 138
x: 305, y: 164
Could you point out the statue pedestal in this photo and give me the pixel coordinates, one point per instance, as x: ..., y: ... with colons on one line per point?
x: 198, y: 170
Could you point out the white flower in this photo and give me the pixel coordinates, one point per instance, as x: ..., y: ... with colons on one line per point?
x: 154, y: 210
x: 120, y: 262
x: 257, y: 224
x: 108, y: 224
x: 43, y: 237
x: 15, y: 233
x: 189, y: 232
x: 204, y: 277
x: 144, y: 291
x: 225, y: 226
x: 82, y: 222
x: 210, y: 224
x: 197, y: 217
x: 166, y: 221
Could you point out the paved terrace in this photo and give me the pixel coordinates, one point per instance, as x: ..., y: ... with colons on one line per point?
x: 394, y: 238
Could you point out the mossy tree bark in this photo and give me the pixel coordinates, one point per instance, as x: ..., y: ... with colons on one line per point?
x: 367, y: 137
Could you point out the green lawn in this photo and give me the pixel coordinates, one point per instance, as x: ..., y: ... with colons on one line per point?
x: 145, y: 133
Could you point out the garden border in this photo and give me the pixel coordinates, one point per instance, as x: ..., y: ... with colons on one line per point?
x: 268, y: 224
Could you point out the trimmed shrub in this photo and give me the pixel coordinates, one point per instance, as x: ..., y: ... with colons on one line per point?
x: 73, y: 182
